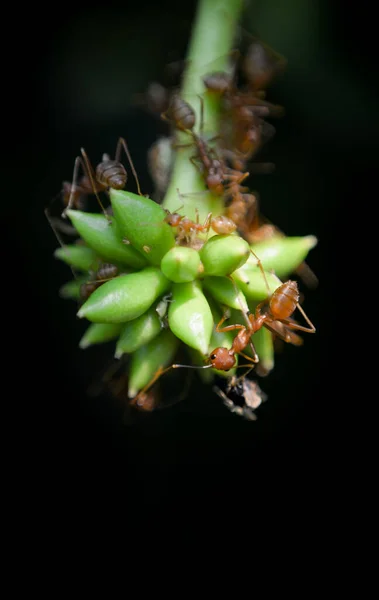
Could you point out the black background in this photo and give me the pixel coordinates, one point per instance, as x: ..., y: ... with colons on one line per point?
x: 69, y: 82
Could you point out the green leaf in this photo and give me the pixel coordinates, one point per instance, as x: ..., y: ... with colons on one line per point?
x: 100, y: 235
x: 190, y: 316
x: 141, y: 221
x: 125, y: 297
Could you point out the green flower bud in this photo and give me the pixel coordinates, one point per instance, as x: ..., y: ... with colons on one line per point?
x: 282, y: 254
x: 100, y: 235
x: 71, y: 289
x: 252, y: 283
x: 146, y: 361
x: 189, y: 316
x: 79, y: 257
x: 141, y: 221
x: 181, y: 264
x: 226, y: 292
x: 138, y: 332
x: 125, y: 297
x: 223, y: 254
x: 264, y: 346
x: 97, y: 333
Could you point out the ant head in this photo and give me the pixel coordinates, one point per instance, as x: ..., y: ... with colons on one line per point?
x: 221, y: 359
x: 214, y: 183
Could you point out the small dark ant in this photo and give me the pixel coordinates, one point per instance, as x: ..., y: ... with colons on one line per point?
x: 109, y: 174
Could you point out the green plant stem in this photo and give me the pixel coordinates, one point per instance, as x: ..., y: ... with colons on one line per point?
x: 209, y: 50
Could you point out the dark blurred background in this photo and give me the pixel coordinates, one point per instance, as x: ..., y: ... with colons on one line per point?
x: 73, y: 86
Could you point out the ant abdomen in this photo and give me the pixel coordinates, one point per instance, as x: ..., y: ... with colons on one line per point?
x: 284, y: 300
x: 107, y: 271
x: 181, y: 113
x: 111, y: 173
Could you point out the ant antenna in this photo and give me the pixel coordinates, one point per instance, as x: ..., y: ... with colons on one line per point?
x: 122, y: 143
x: 59, y: 239
x: 160, y: 371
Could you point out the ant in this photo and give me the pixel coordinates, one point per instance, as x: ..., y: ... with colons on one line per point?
x: 106, y: 272
x: 218, y: 177
x: 109, y: 174
x: 277, y: 308
x: 187, y: 229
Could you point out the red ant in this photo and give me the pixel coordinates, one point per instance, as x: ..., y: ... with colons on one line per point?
x: 279, y: 308
x: 187, y: 229
x: 109, y: 174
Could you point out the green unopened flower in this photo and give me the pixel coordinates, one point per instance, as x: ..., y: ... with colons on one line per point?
x: 190, y: 316
x: 98, y: 333
x: 145, y: 362
x: 253, y: 284
x: 71, y: 289
x: 99, y: 233
x: 125, y: 297
x: 282, y: 254
x: 141, y: 222
x: 223, y: 254
x: 181, y: 264
x: 138, y: 332
x: 226, y: 292
x: 78, y: 256
x: 264, y: 347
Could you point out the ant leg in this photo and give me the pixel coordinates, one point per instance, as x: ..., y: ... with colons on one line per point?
x: 160, y: 371
x: 122, y: 144
x: 296, y: 327
x: 90, y: 174
x: 59, y: 239
x: 74, y: 187
x: 234, y: 327
x: 307, y: 275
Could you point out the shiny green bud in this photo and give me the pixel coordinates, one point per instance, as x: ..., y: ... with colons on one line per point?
x: 141, y: 221
x: 226, y: 292
x: 71, y: 289
x: 223, y: 254
x: 264, y: 346
x: 98, y: 333
x: 189, y: 315
x: 100, y: 235
x: 252, y: 283
x: 138, y: 332
x: 78, y: 256
x: 125, y: 297
x: 181, y: 264
x: 146, y: 361
x: 282, y: 254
